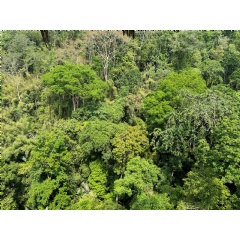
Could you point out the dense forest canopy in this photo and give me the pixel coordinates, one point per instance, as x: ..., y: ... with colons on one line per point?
x: 101, y: 120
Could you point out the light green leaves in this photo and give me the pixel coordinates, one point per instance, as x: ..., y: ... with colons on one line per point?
x: 72, y: 83
x: 151, y: 202
x: 98, y: 178
x: 139, y: 184
x: 128, y: 144
x: 158, y: 104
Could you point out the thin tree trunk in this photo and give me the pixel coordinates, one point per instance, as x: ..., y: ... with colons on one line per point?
x: 77, y: 101
x: 73, y: 101
x: 106, y: 71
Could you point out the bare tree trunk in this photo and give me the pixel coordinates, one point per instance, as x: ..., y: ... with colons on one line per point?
x: 104, y: 45
x: 105, y: 69
x: 74, y: 104
x: 18, y: 83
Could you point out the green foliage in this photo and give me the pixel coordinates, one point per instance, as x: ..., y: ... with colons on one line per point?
x: 212, y: 72
x: 184, y: 45
x: 197, y: 121
x: 17, y: 57
x: 153, y: 48
x: 130, y: 81
x: 224, y: 155
x: 167, y: 97
x: 203, y: 190
x: 126, y: 63
x: 104, y: 45
x: 190, y: 129
x: 10, y: 186
x: 24, y: 53
x: 50, y: 165
x: 151, y: 202
x: 132, y: 108
x: 73, y: 83
x: 85, y: 113
x: 96, y: 139
x: 87, y: 202
x: 111, y: 111
x: 235, y: 79
x: 231, y: 61
x: 161, y: 132
x: 90, y: 202
x: 140, y: 178
x: 128, y: 144
x: 98, y: 178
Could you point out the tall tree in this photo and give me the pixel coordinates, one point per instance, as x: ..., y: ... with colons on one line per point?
x: 77, y: 82
x: 104, y: 44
